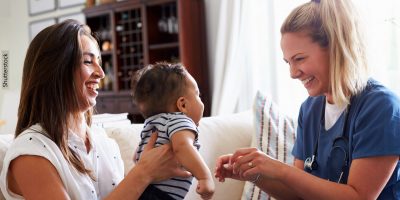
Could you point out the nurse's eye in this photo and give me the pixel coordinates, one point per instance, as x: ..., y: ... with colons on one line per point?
x: 299, y: 59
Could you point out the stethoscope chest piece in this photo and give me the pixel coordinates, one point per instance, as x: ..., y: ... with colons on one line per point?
x: 310, y: 164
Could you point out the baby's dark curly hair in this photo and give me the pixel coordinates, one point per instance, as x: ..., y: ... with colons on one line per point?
x: 155, y: 88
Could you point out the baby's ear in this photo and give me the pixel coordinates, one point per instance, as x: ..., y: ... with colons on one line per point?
x: 181, y: 104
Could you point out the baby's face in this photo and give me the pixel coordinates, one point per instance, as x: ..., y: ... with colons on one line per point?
x: 195, y: 106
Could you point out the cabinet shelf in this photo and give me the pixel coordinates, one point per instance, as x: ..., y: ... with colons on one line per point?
x: 128, y: 44
x: 106, y: 53
x: 164, y: 46
x: 106, y: 93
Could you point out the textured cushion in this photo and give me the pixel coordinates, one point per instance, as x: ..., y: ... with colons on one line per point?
x: 274, y: 135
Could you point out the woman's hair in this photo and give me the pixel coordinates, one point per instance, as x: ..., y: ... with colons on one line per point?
x: 155, y: 88
x: 333, y: 24
x: 49, y: 95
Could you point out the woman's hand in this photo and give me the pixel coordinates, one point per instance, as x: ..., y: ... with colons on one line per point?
x: 159, y: 163
x: 155, y: 164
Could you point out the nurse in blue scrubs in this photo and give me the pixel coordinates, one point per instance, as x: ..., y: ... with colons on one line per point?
x: 348, y: 136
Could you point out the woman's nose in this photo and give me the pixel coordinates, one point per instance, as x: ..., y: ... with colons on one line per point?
x: 99, y: 71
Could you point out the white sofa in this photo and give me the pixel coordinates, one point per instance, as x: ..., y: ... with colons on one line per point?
x: 218, y: 135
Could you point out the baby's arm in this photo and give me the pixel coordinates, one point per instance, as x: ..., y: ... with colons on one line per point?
x: 189, y: 157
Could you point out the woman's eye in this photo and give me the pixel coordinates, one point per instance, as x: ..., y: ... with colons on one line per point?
x: 299, y: 59
x: 88, y: 62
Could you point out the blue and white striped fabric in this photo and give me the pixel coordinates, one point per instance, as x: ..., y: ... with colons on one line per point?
x: 274, y: 135
x: 167, y: 124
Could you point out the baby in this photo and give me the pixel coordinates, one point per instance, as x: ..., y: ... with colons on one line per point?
x: 168, y: 98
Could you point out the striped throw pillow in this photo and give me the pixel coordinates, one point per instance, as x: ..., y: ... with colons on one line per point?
x: 274, y: 135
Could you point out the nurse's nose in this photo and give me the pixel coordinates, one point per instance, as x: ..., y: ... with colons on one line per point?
x: 294, y: 72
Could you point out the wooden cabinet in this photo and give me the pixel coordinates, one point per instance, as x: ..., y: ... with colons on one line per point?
x: 135, y: 33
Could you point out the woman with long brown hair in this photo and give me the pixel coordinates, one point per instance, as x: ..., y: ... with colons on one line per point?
x: 56, y: 154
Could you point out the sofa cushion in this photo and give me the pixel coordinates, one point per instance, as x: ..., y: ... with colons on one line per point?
x: 221, y: 135
x: 127, y: 138
x: 274, y: 135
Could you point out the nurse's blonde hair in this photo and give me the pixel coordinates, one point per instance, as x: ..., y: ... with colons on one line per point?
x: 334, y: 25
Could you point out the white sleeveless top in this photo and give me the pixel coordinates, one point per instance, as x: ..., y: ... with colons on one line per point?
x: 104, y: 160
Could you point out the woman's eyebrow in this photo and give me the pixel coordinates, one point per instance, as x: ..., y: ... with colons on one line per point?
x: 89, y: 54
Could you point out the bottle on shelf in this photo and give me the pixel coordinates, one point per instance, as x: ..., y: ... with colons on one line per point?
x: 106, y: 45
x: 108, y: 77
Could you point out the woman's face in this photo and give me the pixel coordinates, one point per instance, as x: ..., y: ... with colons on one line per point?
x: 89, y: 74
x: 308, y: 62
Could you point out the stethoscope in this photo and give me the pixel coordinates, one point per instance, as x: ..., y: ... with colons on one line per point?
x: 311, y: 163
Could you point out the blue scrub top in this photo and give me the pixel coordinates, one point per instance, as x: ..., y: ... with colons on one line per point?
x: 372, y: 129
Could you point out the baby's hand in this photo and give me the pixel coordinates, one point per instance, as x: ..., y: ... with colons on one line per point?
x: 205, y: 187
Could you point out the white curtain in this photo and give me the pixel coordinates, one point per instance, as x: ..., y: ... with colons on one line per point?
x: 248, y: 55
x: 381, y: 20
x: 239, y: 36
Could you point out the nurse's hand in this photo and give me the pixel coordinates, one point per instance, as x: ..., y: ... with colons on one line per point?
x: 223, y: 168
x: 159, y: 162
x: 252, y: 164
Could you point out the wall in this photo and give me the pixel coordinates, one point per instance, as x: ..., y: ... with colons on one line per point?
x: 212, y: 8
x: 14, y: 38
